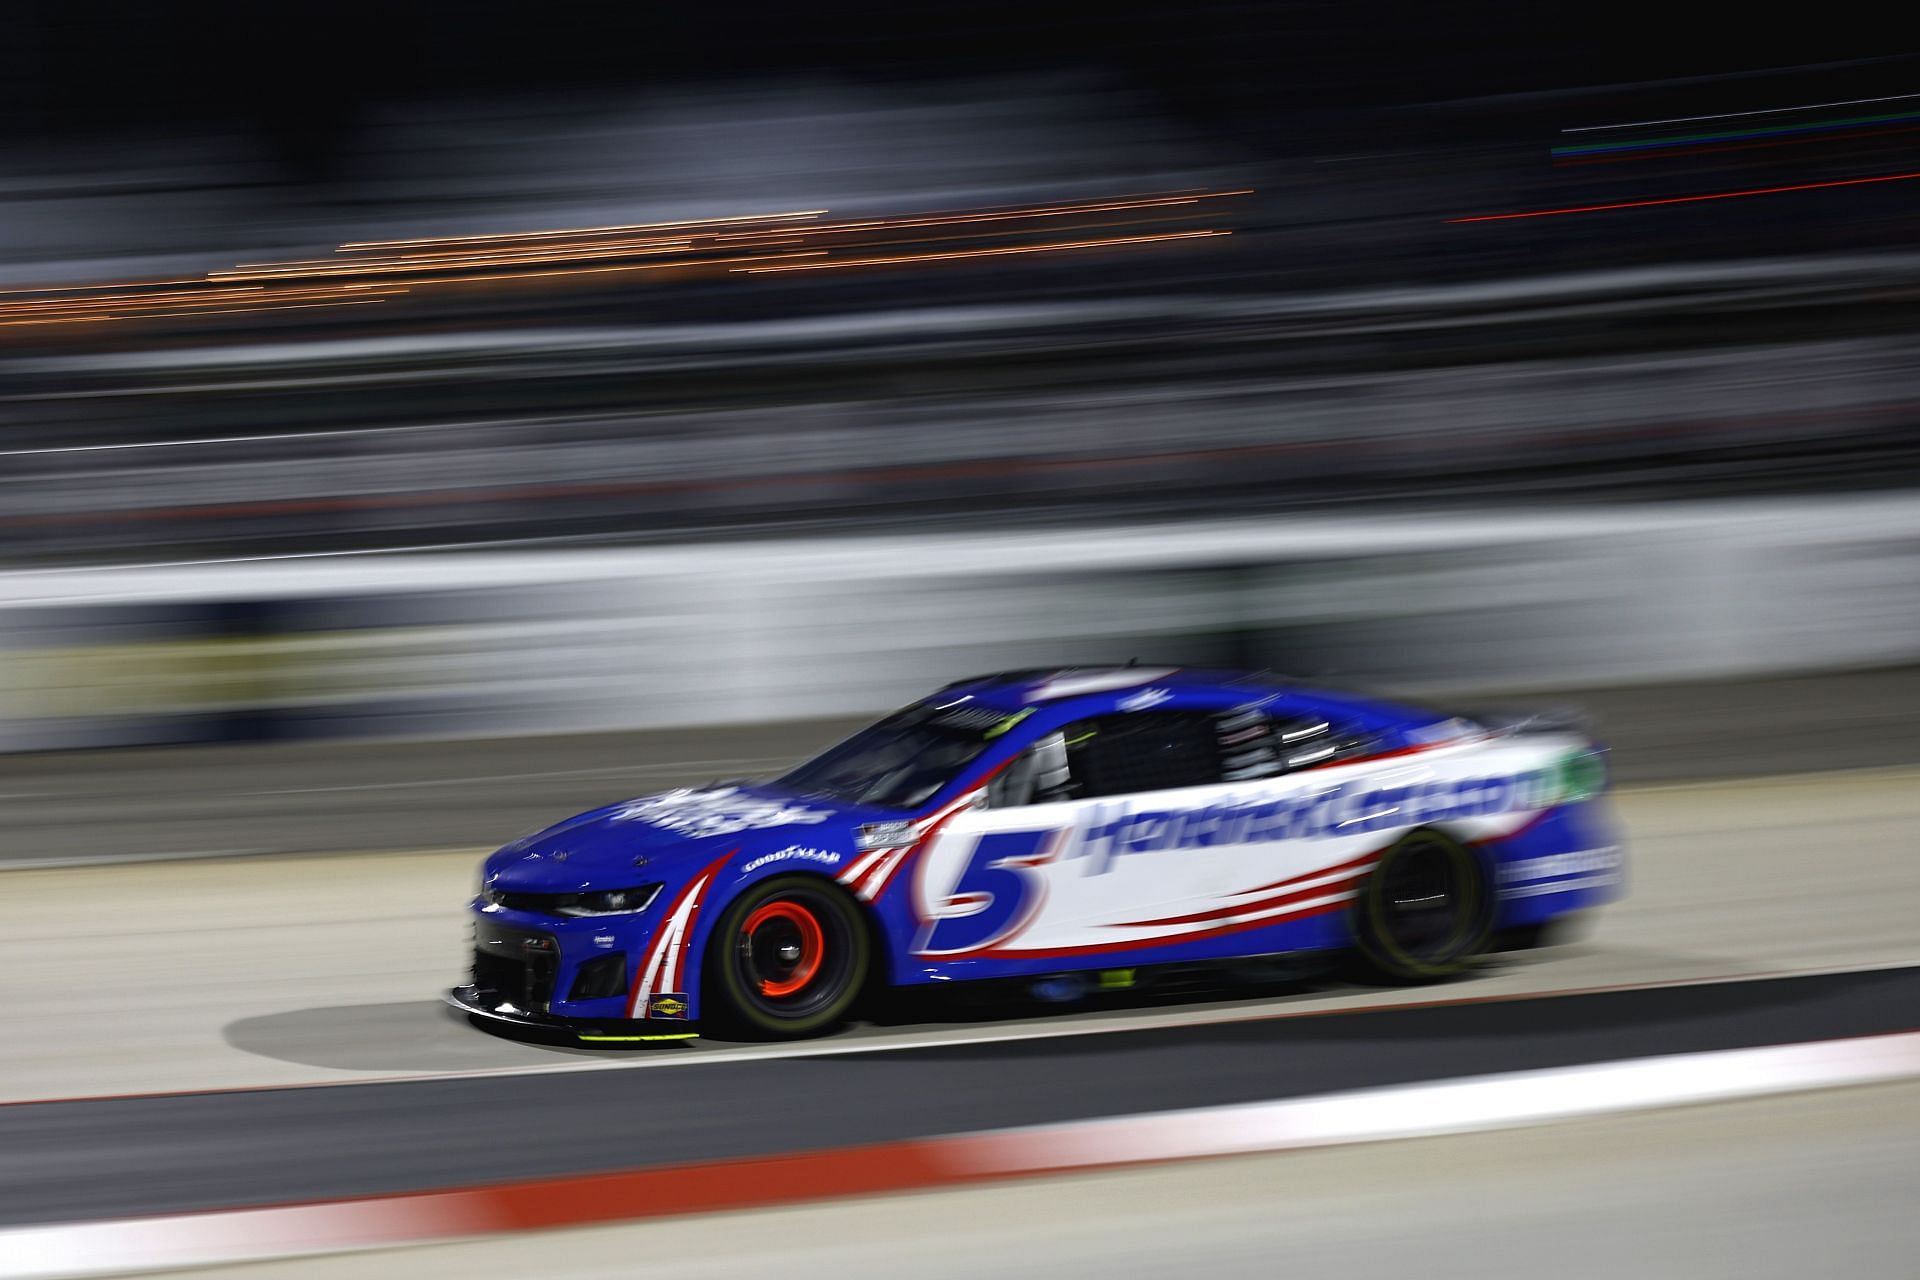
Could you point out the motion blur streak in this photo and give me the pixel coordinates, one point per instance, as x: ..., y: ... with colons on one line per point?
x: 1714, y: 195
x: 181, y: 301
x: 1733, y: 134
x: 484, y: 258
x: 1729, y: 147
x: 449, y: 262
x: 355, y: 245
x: 1111, y: 242
x: 1736, y: 115
x: 680, y: 264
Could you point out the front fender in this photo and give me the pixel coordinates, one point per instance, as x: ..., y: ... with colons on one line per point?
x: 678, y: 954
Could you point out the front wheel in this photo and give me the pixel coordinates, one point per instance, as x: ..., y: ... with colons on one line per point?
x: 1426, y: 911
x: 788, y: 959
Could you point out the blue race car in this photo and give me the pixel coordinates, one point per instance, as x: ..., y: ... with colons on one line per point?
x: 1079, y: 825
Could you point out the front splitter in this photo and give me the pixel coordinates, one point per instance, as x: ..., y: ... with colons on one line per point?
x: 474, y: 1003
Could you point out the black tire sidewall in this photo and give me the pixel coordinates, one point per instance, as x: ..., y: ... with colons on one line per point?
x: 728, y: 1007
x: 1383, y: 955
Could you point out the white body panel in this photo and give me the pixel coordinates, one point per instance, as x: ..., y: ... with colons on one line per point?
x: 1160, y: 866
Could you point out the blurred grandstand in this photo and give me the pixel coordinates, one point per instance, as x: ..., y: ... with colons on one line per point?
x: 826, y: 305
x: 865, y: 306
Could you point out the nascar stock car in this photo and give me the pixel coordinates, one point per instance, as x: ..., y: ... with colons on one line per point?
x: 1079, y: 825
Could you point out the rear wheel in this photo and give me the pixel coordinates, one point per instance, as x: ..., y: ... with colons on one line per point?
x: 1425, y: 912
x: 788, y: 959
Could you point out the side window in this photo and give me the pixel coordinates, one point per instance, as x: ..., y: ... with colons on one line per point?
x: 1143, y: 751
x: 1114, y: 755
x: 1161, y: 750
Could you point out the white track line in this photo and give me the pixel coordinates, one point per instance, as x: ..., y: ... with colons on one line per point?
x: 1467, y: 1105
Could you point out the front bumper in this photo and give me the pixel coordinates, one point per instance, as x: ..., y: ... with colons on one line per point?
x: 491, y: 1007
x: 533, y: 970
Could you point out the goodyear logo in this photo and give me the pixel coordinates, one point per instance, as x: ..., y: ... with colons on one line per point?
x: 670, y: 1005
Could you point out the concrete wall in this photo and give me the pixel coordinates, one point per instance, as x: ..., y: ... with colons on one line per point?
x: 770, y: 630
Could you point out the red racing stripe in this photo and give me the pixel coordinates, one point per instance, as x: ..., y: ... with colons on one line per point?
x: 697, y: 883
x: 1144, y: 944
x: 1354, y: 864
x: 1250, y: 908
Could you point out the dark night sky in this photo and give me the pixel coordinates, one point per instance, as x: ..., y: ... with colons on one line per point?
x: 301, y: 70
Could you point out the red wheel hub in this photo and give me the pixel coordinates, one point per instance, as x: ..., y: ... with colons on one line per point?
x: 800, y: 943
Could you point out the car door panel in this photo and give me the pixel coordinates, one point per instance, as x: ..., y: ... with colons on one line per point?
x: 1121, y: 872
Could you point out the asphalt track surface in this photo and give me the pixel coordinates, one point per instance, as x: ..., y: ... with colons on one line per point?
x: 256, y: 975
x: 138, y: 1156
x: 257, y: 798
x: 1808, y: 1185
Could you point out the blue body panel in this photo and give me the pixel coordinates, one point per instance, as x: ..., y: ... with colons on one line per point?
x: 703, y: 848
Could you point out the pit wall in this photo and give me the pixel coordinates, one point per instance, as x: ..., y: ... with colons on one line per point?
x: 746, y: 632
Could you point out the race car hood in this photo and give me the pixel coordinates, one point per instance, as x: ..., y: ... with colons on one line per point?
x: 671, y: 835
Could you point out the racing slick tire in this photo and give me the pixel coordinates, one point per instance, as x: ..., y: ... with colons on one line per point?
x: 788, y: 959
x: 1425, y: 912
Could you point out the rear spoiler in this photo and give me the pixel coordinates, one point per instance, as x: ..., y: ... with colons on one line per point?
x: 1530, y: 720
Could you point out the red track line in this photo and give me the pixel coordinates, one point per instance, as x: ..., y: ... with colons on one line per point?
x: 1712, y: 195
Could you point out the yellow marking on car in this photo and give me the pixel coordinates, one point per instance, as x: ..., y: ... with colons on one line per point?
x: 677, y: 1035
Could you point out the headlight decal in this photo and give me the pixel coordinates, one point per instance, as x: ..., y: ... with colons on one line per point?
x: 598, y: 902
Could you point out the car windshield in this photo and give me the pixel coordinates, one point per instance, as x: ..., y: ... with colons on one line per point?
x: 902, y: 761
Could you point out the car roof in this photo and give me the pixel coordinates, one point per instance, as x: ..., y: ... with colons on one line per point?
x: 1103, y: 688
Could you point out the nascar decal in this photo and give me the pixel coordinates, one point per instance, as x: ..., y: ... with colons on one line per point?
x: 871, y: 873
x: 719, y: 811
x: 664, y: 962
x: 1091, y: 875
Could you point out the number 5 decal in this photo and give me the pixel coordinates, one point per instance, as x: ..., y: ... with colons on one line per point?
x: 995, y: 896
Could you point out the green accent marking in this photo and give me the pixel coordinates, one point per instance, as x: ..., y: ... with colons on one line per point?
x: 1074, y: 742
x: 1008, y: 723
x: 1580, y: 775
x: 1116, y: 979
